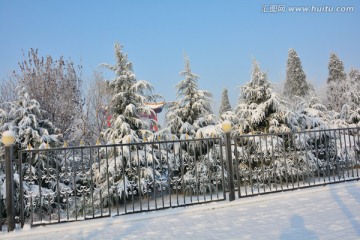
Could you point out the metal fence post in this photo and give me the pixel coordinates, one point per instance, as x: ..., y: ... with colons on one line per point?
x: 8, y: 139
x: 10, y: 210
x: 226, y: 126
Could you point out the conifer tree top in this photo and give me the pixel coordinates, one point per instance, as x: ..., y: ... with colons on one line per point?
x: 295, y: 83
x: 192, y: 103
x: 225, y: 104
x: 128, y: 101
x: 336, y: 69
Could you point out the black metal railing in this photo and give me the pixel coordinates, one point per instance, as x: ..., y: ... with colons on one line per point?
x: 86, y: 182
x: 266, y: 163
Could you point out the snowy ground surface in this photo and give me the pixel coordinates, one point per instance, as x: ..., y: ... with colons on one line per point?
x: 330, y: 212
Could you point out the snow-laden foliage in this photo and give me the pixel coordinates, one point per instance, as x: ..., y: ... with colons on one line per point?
x: 191, y: 105
x: 128, y: 101
x: 127, y: 126
x: 225, y: 103
x: 350, y: 112
x: 260, y: 109
x: 295, y: 83
x: 307, y: 113
x: 230, y: 116
x: 24, y: 117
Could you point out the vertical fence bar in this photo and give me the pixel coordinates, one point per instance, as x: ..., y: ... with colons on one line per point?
x: 341, y: 159
x: 262, y: 158
x: 296, y: 158
x: 161, y: 180
x: 357, y: 150
x: 191, y: 167
x: 147, y: 184
x: 209, y: 168
x: 222, y: 171
x: 267, y: 168
x: 327, y: 156
x: 256, y: 169
x: 169, y: 172
x: 336, y: 157
x: 21, y: 180
x: 273, y: 162
x: 182, y: 172
x: 244, y: 158
x: 230, y: 167
x: 350, y: 161
x: 305, y: 151
x: 154, y: 175
x: 92, y: 183
x: 332, y: 157
x: 197, y: 183
x: 74, y: 183
x: 124, y: 180
x: 39, y: 177
x: 139, y: 178
x: 284, y: 155
x: 131, y: 183
x: 237, y: 169
x: 346, y: 155
x: 317, y: 157
x: 107, y: 178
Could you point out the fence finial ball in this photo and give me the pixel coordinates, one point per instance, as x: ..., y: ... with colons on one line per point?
x: 226, y: 126
x: 8, y: 138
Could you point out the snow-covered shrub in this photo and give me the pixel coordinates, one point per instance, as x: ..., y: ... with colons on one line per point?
x: 24, y: 117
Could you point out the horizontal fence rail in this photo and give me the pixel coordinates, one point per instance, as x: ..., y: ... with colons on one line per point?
x: 77, y: 183
x: 266, y: 163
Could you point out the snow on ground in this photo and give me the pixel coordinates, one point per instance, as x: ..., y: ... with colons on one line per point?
x: 329, y: 212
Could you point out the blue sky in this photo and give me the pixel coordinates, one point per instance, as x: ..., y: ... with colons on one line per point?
x: 221, y: 38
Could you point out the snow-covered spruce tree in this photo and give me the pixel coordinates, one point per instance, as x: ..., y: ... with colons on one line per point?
x: 24, y: 117
x: 336, y: 84
x: 295, y: 83
x: 191, y: 117
x: 127, y: 104
x: 260, y: 109
x: 225, y: 103
x: 349, y: 116
x: 191, y: 105
x: 273, y: 158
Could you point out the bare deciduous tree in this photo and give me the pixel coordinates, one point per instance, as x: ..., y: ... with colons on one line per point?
x: 8, y: 87
x: 95, y: 112
x: 55, y: 85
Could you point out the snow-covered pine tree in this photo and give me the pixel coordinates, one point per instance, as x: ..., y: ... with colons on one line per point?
x: 267, y: 159
x: 260, y: 109
x: 191, y: 105
x: 128, y: 102
x: 336, y: 84
x: 349, y: 115
x: 24, y: 117
x: 336, y: 69
x: 295, y: 83
x: 225, y: 103
x: 127, y: 126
